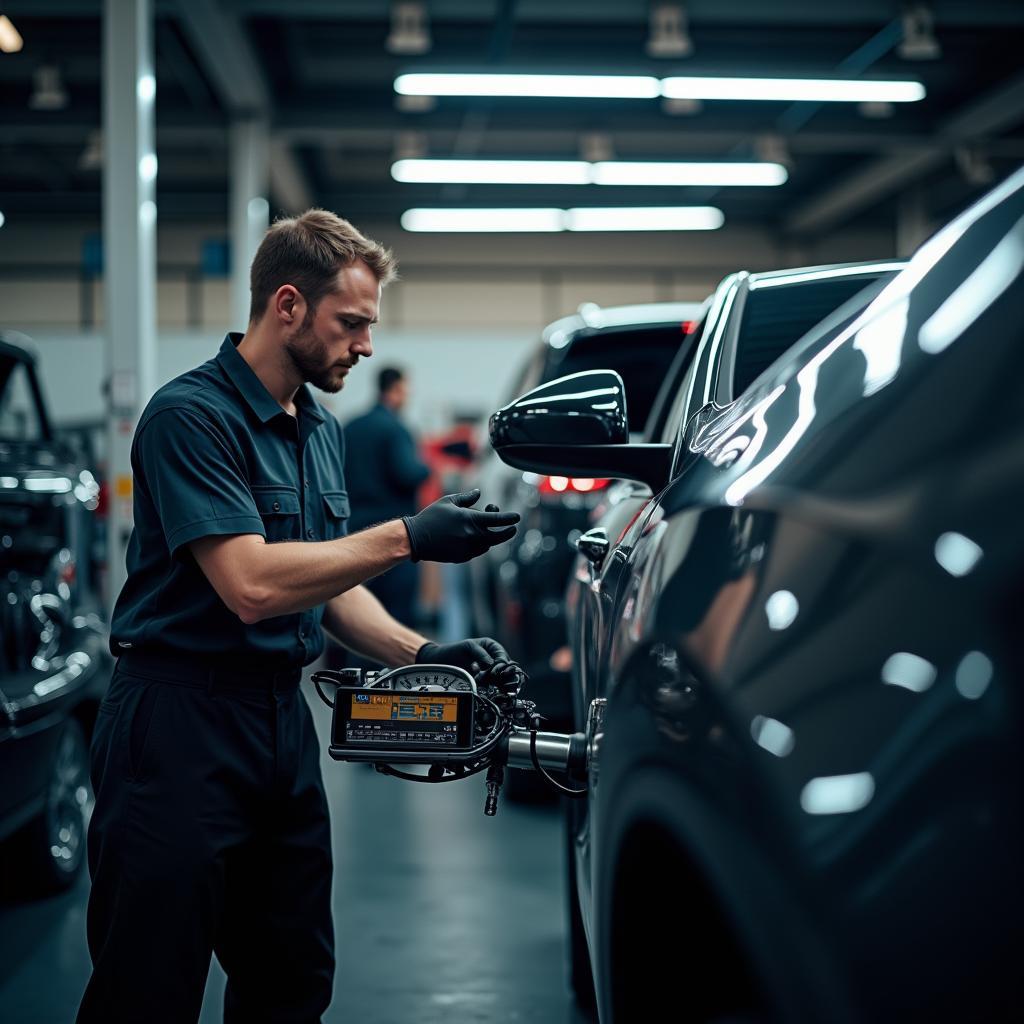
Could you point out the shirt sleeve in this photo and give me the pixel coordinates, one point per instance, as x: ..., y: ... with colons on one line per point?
x: 194, y: 479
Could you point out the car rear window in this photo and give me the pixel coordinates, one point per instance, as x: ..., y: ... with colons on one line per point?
x: 641, y: 356
x: 776, y: 317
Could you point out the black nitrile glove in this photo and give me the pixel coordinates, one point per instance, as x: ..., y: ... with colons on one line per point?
x: 475, y: 656
x: 451, y: 531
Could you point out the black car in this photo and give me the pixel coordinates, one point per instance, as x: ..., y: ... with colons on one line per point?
x: 518, y: 588
x: 801, y: 663
x: 750, y: 320
x: 54, y: 666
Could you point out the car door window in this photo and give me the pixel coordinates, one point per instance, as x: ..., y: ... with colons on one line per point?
x: 775, y: 315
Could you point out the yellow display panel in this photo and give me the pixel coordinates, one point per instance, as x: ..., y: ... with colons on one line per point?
x: 404, y: 707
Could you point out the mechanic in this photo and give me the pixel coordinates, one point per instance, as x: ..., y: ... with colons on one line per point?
x: 383, y: 473
x: 210, y: 831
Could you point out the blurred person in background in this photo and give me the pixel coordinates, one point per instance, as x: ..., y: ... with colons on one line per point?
x: 384, y: 471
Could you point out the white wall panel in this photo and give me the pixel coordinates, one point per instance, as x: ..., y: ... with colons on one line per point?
x: 450, y: 371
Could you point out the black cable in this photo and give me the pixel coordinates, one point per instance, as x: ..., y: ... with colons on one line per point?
x: 493, y: 738
x: 387, y: 769
x: 576, y: 794
x: 323, y: 696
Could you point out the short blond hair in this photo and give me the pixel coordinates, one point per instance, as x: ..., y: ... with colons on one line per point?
x: 308, y: 251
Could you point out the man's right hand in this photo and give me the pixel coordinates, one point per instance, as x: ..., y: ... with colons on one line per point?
x: 451, y: 530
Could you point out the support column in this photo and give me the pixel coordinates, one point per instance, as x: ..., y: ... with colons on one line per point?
x: 129, y: 241
x: 250, y: 211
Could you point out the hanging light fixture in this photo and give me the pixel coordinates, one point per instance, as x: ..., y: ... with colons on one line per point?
x: 669, y: 33
x: 919, y: 42
x: 10, y: 37
x: 410, y: 29
x: 47, y: 89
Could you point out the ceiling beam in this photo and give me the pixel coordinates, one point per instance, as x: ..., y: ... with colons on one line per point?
x: 217, y: 38
x: 368, y: 134
x: 1001, y: 109
x: 230, y: 63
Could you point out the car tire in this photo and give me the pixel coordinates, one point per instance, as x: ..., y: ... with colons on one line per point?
x: 581, y: 976
x: 54, y: 843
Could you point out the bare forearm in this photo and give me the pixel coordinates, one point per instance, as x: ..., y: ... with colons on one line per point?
x: 360, y: 622
x: 259, y: 580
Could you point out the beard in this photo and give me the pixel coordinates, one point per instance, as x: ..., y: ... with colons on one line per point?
x: 310, y: 357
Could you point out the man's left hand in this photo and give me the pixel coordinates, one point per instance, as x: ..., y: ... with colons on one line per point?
x: 475, y: 656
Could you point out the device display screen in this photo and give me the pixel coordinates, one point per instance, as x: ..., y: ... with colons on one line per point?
x: 385, y: 717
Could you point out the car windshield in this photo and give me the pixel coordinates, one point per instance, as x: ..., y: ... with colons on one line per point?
x: 640, y: 355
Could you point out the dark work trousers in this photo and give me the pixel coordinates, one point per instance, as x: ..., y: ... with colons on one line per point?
x: 210, y: 834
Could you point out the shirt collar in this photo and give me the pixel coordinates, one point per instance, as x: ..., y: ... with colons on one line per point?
x: 253, y: 390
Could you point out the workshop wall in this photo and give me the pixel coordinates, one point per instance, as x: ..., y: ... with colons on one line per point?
x: 518, y: 282
x: 450, y: 371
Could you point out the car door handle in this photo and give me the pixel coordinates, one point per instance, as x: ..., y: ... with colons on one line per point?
x: 593, y: 545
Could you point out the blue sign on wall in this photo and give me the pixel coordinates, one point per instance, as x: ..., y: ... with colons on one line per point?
x: 215, y: 257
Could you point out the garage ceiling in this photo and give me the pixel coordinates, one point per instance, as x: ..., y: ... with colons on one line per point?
x: 321, y: 74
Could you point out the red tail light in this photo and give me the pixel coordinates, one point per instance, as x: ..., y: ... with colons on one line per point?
x: 570, y: 485
x: 689, y: 326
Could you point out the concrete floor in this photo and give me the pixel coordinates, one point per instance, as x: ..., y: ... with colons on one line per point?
x: 472, y: 908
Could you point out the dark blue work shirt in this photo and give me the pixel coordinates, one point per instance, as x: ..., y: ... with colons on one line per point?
x: 215, y: 454
x: 383, y: 469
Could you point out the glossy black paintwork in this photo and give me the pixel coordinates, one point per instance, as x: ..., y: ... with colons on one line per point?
x: 796, y: 636
x: 810, y: 644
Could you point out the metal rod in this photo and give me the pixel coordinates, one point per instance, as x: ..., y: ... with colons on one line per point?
x: 553, y: 750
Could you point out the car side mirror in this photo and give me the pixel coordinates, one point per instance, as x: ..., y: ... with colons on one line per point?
x: 577, y: 426
x: 583, y: 408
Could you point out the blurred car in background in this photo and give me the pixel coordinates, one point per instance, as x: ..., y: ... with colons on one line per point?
x: 518, y: 588
x: 801, y: 663
x: 54, y: 664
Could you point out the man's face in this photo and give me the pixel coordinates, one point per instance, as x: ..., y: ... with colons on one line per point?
x: 329, y: 341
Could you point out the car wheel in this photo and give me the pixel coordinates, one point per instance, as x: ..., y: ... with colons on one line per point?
x: 581, y: 977
x: 55, y: 841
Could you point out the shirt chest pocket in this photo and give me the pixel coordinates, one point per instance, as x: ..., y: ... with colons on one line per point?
x: 336, y: 513
x: 279, y: 509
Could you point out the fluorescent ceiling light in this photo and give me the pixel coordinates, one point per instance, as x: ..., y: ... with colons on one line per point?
x: 617, y: 172
x: 10, y: 37
x: 818, y: 90
x: 494, y: 172
x: 642, y: 218
x: 645, y: 218
x: 483, y: 220
x: 579, y: 172
x: 821, y: 90
x: 632, y: 87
